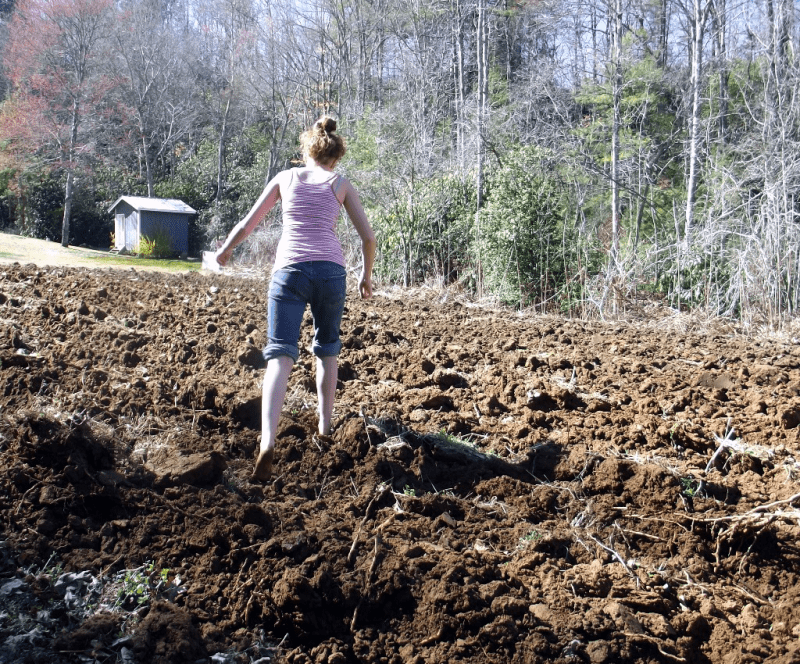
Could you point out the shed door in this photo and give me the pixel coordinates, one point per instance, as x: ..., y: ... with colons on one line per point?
x: 119, y: 230
x: 131, y: 236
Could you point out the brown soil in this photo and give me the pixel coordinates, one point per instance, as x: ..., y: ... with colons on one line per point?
x: 497, y: 488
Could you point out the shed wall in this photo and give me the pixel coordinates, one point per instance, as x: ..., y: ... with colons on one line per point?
x: 173, y: 224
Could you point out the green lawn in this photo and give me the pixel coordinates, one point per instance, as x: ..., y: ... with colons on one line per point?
x: 172, y: 264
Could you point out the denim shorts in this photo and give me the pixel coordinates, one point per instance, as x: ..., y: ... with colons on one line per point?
x: 321, y: 284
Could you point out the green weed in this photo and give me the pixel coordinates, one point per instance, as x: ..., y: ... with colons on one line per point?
x: 138, y: 586
x: 532, y: 535
x: 689, y: 486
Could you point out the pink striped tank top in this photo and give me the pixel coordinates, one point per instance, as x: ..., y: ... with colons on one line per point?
x: 310, y: 211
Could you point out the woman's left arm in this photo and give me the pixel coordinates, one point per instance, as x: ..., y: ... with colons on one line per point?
x: 352, y: 203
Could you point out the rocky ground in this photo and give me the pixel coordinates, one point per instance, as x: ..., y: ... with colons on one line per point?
x: 498, y: 488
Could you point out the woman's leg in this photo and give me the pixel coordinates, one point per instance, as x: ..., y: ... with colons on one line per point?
x: 327, y: 375
x: 327, y: 307
x: 276, y: 379
x: 288, y: 293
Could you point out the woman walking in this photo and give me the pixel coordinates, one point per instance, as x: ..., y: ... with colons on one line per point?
x: 309, y: 269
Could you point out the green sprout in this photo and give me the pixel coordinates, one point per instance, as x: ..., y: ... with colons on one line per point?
x: 690, y: 486
x: 137, y: 586
x: 533, y: 535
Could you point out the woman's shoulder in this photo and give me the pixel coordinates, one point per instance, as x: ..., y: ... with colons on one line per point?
x: 282, y: 177
x: 316, y: 176
x: 341, y: 186
x: 344, y: 184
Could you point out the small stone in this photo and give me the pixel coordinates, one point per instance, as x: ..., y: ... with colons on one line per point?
x: 541, y: 612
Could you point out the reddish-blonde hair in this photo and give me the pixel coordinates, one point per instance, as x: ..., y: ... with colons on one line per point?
x: 322, y: 143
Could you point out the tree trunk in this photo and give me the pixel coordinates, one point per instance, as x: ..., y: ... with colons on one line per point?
x: 720, y: 52
x: 460, y: 89
x: 595, y: 51
x: 482, y: 42
x: 698, y: 29
x: 67, y: 210
x: 663, y: 34
x: 73, y: 140
x: 221, y: 148
x: 148, y: 168
x: 616, y: 95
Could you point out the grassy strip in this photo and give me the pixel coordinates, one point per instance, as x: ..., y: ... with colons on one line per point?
x: 173, y: 265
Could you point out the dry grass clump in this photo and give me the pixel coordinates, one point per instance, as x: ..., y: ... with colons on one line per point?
x: 147, y: 435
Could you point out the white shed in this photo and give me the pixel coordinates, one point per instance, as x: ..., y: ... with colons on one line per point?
x: 136, y: 217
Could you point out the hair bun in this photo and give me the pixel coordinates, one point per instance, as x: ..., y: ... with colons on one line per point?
x: 326, y: 124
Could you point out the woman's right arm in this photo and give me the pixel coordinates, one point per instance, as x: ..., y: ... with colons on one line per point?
x: 352, y: 204
x: 269, y: 197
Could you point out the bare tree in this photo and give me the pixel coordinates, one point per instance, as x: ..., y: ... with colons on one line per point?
x: 150, y: 69
x: 54, y: 58
x: 697, y: 13
x: 616, y: 94
x: 482, y: 41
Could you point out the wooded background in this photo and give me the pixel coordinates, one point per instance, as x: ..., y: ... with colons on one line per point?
x: 567, y: 154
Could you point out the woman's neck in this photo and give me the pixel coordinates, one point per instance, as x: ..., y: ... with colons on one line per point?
x: 313, y: 163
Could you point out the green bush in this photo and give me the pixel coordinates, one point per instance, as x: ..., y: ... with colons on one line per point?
x: 157, y: 246
x: 527, y: 250
x: 425, y: 234
x: 44, y: 209
x: 7, y: 198
x: 40, y: 212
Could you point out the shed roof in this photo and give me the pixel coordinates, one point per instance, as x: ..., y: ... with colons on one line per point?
x: 155, y: 204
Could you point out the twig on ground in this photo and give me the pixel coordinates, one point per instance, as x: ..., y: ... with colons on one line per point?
x: 366, y: 426
x: 25, y: 495
x: 351, y: 555
x: 324, y: 485
x: 715, y: 590
x: 242, y: 571
x: 614, y: 553
x: 749, y: 594
x: 382, y: 489
x: 111, y: 565
x: 368, y: 582
x: 752, y: 544
x: 655, y: 538
x: 387, y: 522
x: 757, y: 512
x: 651, y: 640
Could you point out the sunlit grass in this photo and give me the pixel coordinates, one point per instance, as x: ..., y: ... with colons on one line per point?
x: 30, y: 250
x: 173, y: 265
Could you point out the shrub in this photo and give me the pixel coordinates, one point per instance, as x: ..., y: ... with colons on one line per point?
x: 44, y: 213
x: 425, y: 234
x: 157, y: 246
x: 527, y: 249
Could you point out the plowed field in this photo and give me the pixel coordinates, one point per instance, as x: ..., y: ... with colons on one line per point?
x: 497, y: 488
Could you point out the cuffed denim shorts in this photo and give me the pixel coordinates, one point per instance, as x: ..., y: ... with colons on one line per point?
x: 321, y: 284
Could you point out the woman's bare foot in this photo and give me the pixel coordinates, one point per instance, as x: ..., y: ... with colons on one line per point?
x: 263, y: 469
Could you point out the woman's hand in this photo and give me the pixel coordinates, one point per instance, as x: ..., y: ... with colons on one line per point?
x: 365, y: 287
x: 223, y: 256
